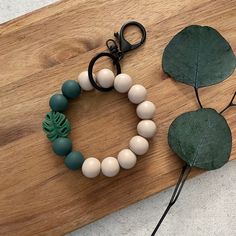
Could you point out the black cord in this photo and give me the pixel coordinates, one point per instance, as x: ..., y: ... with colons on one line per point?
x: 182, y: 178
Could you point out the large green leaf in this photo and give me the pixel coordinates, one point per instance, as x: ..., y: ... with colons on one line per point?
x: 198, y: 56
x: 201, y: 138
x: 56, y: 125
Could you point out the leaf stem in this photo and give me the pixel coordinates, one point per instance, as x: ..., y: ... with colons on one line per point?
x: 197, y: 96
x: 231, y: 104
x: 182, y: 178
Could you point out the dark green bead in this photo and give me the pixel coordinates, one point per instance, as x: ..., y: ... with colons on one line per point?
x: 74, y: 160
x: 62, y: 146
x: 58, y: 102
x: 71, y: 89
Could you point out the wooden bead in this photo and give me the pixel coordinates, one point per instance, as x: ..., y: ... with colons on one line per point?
x: 62, y: 146
x: 146, y: 128
x: 139, y: 145
x: 105, y: 78
x: 58, y: 102
x: 127, y: 159
x: 71, y: 89
x: 74, y: 160
x: 91, y: 167
x: 110, y: 166
x: 146, y: 110
x: 84, y: 81
x: 122, y: 83
x: 137, y: 94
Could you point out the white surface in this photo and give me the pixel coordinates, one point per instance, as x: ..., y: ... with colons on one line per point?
x: 9, y: 9
x: 207, y: 205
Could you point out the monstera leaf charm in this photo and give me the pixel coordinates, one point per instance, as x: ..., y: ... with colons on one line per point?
x: 56, y: 125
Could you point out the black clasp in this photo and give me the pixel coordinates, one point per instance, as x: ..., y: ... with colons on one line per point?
x: 116, y: 52
x: 124, y: 45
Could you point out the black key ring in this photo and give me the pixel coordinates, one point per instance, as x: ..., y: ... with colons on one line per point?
x: 116, y: 53
x: 90, y: 69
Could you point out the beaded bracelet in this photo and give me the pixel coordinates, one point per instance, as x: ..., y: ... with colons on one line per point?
x: 57, y: 126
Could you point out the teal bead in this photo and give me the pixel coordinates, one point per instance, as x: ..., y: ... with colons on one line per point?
x: 74, y: 160
x: 62, y: 146
x: 71, y: 89
x: 58, y: 102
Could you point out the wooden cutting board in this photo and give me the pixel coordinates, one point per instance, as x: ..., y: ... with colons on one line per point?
x: 38, y: 194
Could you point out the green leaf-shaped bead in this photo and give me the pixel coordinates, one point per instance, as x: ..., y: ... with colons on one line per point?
x: 56, y: 125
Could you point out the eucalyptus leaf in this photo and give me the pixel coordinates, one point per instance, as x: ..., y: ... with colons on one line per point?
x: 198, y: 56
x: 201, y: 138
x: 56, y: 125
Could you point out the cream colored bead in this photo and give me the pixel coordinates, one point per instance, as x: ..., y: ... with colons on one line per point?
x: 146, y: 110
x: 146, y: 128
x: 137, y: 93
x: 139, y: 145
x: 91, y: 167
x: 84, y: 81
x: 105, y: 78
x: 122, y: 83
x: 110, y: 166
x: 127, y: 159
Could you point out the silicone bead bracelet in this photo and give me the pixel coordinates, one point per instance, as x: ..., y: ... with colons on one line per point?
x: 57, y: 126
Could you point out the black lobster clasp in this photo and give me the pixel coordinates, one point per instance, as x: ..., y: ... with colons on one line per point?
x: 126, y: 46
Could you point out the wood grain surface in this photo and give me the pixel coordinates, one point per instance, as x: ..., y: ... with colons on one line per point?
x: 38, y: 194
